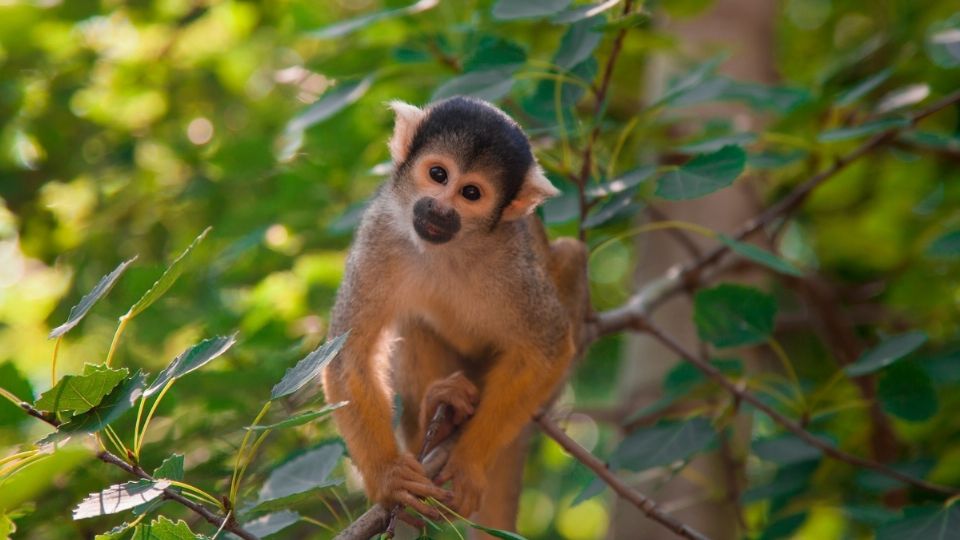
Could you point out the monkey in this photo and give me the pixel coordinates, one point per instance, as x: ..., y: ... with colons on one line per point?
x: 452, y: 293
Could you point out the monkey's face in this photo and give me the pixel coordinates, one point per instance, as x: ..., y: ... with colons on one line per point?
x: 448, y: 201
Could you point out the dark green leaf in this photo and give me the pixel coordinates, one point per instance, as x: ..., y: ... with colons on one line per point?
x: 119, y: 497
x: 527, y: 9
x: 775, y: 160
x: 171, y: 468
x: 713, y: 144
x: 633, y: 20
x: 306, y: 472
x: 946, y: 246
x: 877, y: 483
x: 623, y: 182
x: 867, y: 128
x: 591, y: 490
x: 77, y: 394
x: 342, y: 28
x: 734, y: 315
x: 663, y: 444
x: 164, y: 529
x: 943, y: 42
x: 789, y: 479
x: 167, y: 279
x: 851, y: 95
x: 887, y: 352
x: 497, y: 533
x: 332, y: 102
x: 16, y: 383
x: 783, y: 527
x: 577, y: 44
x: 544, y: 103
x: 760, y: 256
x: 191, y: 359
x: 103, y: 286
x: 703, y: 174
x: 579, y: 13
x: 271, y: 523
x: 778, y: 98
x: 309, y: 368
x: 685, y: 376
x: 906, y: 391
x: 691, y: 82
x: 786, y: 449
x: 301, y: 418
x: 493, y: 52
x: 924, y: 523
x: 489, y: 84
x: 117, y: 402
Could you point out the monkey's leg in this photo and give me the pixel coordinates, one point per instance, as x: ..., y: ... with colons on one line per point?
x: 498, y: 508
x: 420, y: 358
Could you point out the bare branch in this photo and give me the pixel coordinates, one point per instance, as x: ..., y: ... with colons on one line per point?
x: 646, y: 505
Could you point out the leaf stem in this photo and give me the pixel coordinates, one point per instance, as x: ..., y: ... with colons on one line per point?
x: 116, y: 337
x: 53, y: 364
x: 138, y: 443
x: 190, y: 487
x: 318, y: 523
x: 234, y: 481
x: 253, y: 452
x: 10, y: 397
x: 18, y: 455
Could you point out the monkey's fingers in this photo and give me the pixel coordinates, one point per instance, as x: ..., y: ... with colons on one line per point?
x: 411, y: 520
x: 424, y: 488
x: 406, y: 499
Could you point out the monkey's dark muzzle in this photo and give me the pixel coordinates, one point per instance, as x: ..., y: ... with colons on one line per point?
x: 434, y: 223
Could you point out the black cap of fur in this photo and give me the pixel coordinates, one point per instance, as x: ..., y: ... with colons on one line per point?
x: 480, y: 137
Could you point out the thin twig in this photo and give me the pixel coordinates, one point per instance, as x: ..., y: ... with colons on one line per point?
x: 646, y: 505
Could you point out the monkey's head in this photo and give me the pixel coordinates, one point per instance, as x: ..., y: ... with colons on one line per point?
x: 461, y: 167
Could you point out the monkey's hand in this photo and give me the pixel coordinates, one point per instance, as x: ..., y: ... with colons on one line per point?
x: 468, y: 479
x: 456, y: 391
x: 403, y: 481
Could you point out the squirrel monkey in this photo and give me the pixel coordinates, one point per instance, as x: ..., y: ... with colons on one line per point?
x: 453, y: 294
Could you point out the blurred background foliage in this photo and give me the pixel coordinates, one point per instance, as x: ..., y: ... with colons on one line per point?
x: 128, y: 127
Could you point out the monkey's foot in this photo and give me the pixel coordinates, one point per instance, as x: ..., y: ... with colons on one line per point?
x: 403, y: 481
x: 456, y: 391
x: 468, y: 482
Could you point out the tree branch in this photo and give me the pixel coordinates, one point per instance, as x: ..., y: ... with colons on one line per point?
x: 646, y: 505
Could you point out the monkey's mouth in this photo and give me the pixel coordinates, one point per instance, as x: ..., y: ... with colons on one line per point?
x: 432, y: 232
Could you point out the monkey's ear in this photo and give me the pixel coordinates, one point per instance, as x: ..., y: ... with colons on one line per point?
x: 405, y: 125
x: 536, y: 188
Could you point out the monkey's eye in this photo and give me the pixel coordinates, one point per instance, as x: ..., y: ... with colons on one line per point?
x: 438, y: 175
x: 470, y: 192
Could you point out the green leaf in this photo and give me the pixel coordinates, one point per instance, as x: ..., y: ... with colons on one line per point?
x: 17, y: 384
x: 760, y: 256
x: 167, y: 279
x: 851, y: 95
x: 943, y: 42
x: 309, y: 368
x: 489, y: 84
x: 692, y: 82
x: 786, y: 449
x: 7, y: 526
x: 703, y: 174
x: 493, y: 52
x: 924, y: 523
x: 164, y: 529
x: 946, y: 246
x: 301, y: 418
x: 192, y: 359
x: 639, y: 19
x: 117, y: 533
x: 906, y: 391
x: 867, y: 128
x: 774, y: 159
x: 103, y: 286
x: 662, y: 444
x: 734, y: 315
x: 271, y: 523
x: 497, y: 533
x: 117, y: 402
x: 333, y: 101
x: 577, y: 44
x: 305, y: 473
x: 685, y: 376
x: 527, y: 9
x: 578, y: 13
x: 620, y: 206
x: 713, y: 144
x: 119, y: 497
x: 170, y: 468
x: 77, y: 394
x: 887, y: 352
x: 543, y: 103
x: 759, y: 96
x: 342, y: 28
x: 903, y: 97
x: 623, y: 182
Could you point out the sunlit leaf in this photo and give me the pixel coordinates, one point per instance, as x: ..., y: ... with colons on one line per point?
x: 301, y: 418
x: 924, y: 523
x: 527, y: 9
x: 867, y: 128
x: 111, y: 407
x: 760, y: 256
x: 309, y: 368
x: 342, y: 28
x: 164, y: 529
x: 192, y: 359
x: 623, y: 182
x: 943, y: 42
x: 333, y: 101
x: 120, y: 532
x: 489, y: 84
x: 851, y: 95
x: 103, y: 286
x: 663, y: 444
x: 619, y: 206
x: 119, y: 497
x: 577, y: 44
x: 906, y: 391
x: 168, y: 277
x: 271, y: 523
x: 946, y: 246
x: 903, y: 97
x: 80, y: 393
x: 579, y: 13
x: 887, y: 352
x: 703, y: 174
x: 734, y: 315
x: 306, y: 472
